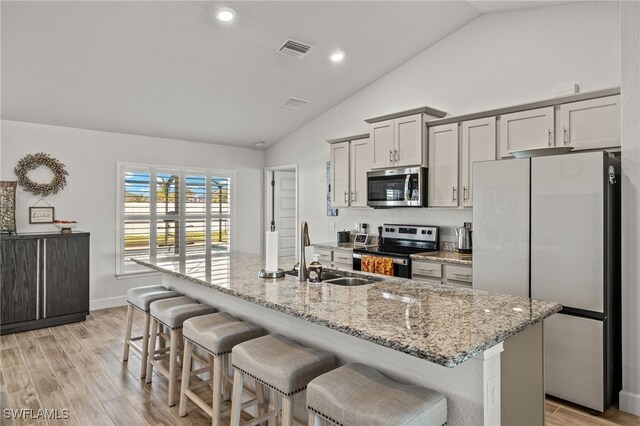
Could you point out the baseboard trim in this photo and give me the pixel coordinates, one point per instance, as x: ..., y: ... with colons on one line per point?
x: 107, y: 302
x: 630, y: 402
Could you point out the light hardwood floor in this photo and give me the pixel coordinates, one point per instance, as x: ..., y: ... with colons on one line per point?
x: 78, y: 367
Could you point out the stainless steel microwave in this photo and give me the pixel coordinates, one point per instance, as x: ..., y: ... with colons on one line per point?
x: 398, y: 187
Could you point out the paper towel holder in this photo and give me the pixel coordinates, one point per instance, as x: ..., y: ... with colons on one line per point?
x: 263, y: 273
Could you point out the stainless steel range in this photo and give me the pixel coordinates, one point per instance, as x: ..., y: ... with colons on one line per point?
x: 399, y: 242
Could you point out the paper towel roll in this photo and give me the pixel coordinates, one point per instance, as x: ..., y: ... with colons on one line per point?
x: 272, y: 251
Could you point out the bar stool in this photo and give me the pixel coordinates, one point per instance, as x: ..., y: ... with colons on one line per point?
x: 170, y: 313
x: 282, y: 365
x: 140, y: 298
x: 356, y: 394
x: 216, y: 334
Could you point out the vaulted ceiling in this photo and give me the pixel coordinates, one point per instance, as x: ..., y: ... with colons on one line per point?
x: 169, y: 69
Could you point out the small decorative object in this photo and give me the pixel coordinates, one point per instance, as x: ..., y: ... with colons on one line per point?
x: 65, y: 226
x: 330, y: 211
x: 8, y: 206
x: 33, y: 161
x: 41, y: 214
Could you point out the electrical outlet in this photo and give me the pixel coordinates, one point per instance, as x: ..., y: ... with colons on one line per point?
x: 332, y: 226
x: 492, y: 392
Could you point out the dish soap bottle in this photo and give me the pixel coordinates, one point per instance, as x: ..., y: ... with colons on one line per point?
x: 315, y: 270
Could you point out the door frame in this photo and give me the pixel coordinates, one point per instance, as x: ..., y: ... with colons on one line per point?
x: 267, y: 199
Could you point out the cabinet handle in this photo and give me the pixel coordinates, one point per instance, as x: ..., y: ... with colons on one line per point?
x: 464, y: 193
x: 550, y: 138
x: 565, y: 135
x: 396, y: 156
x: 353, y: 196
x: 44, y: 278
x: 461, y: 275
x: 425, y: 270
x: 390, y: 156
x: 453, y: 193
x: 346, y: 196
x: 37, y: 279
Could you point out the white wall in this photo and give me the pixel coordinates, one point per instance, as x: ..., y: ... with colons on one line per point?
x: 90, y: 195
x: 630, y: 118
x: 497, y: 60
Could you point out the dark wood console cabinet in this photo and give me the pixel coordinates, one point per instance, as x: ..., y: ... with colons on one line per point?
x: 45, y: 280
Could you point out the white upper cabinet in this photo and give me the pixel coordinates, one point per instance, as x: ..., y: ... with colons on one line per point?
x: 398, y: 142
x: 382, y: 144
x: 590, y: 124
x: 443, y: 166
x: 340, y: 174
x: 526, y: 130
x: 360, y: 164
x: 478, y: 144
x: 409, y: 140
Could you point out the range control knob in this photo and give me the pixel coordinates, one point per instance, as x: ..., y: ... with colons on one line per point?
x: 386, y: 229
x: 424, y: 231
x: 391, y: 230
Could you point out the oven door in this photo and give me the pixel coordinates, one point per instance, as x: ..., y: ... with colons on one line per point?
x: 400, y: 187
x: 401, y: 266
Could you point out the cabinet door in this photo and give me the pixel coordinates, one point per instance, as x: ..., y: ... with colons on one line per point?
x: 408, y: 140
x: 66, y: 280
x: 360, y: 164
x: 478, y: 144
x: 526, y: 130
x: 382, y: 144
x: 590, y: 124
x: 443, y: 166
x: 19, y: 262
x: 340, y: 174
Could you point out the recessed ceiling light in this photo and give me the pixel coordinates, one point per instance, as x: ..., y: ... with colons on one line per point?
x: 260, y: 143
x: 337, y: 56
x: 225, y: 14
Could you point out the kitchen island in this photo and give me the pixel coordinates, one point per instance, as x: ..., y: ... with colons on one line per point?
x: 464, y: 343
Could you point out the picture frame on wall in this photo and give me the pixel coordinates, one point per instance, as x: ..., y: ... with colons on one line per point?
x: 41, y: 214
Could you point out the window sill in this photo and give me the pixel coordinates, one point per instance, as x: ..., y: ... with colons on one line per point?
x: 129, y: 275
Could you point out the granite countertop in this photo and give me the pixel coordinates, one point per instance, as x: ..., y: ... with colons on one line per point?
x: 337, y: 246
x: 445, y: 256
x: 440, y: 323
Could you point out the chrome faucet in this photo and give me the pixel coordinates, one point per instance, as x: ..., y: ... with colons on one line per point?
x: 304, y: 242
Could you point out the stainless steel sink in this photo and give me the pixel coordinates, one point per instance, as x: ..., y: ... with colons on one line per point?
x: 326, y: 276
x: 348, y: 281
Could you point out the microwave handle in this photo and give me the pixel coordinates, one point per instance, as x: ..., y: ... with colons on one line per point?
x: 407, y: 190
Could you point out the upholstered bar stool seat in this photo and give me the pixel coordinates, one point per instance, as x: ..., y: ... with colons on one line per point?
x: 356, y: 394
x: 171, y: 313
x: 281, y: 364
x: 216, y: 334
x: 141, y: 298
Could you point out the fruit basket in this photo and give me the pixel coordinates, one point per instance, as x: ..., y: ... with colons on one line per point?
x: 65, y: 226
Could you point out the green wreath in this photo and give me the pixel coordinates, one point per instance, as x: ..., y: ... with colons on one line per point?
x: 33, y: 161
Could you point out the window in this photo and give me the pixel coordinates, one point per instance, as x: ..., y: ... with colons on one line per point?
x: 172, y: 214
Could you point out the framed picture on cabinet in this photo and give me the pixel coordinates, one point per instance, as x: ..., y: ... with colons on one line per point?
x: 41, y: 214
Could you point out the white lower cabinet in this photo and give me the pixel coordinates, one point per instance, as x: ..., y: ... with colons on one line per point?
x: 342, y: 259
x: 444, y: 272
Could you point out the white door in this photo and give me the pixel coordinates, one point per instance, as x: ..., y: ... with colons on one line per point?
x: 567, y: 237
x: 340, y: 174
x: 360, y: 164
x: 501, y: 226
x: 382, y: 144
x: 478, y: 144
x: 573, y: 358
x: 408, y: 140
x: 443, y: 166
x: 526, y: 130
x: 590, y: 124
x: 285, y: 212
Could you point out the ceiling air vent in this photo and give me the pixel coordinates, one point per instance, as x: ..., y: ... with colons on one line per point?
x: 294, y: 48
x: 293, y: 103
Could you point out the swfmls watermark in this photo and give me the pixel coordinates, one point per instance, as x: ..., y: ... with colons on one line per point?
x: 29, y: 413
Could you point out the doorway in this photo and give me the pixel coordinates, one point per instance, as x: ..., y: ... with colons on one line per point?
x: 282, y: 183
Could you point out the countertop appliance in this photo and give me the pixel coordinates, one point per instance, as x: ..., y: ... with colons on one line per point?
x: 397, y: 187
x: 343, y: 236
x: 464, y: 238
x: 549, y: 228
x: 399, y: 242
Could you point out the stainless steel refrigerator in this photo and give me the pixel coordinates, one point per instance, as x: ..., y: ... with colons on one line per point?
x: 549, y: 228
